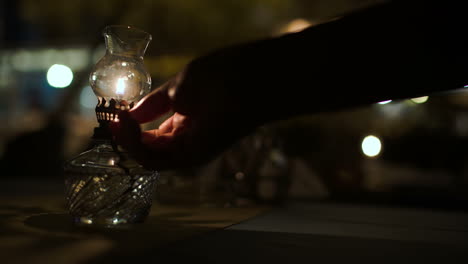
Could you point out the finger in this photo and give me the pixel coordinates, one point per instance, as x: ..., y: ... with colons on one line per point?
x: 167, y: 125
x: 180, y: 123
x: 165, y: 150
x: 176, y: 124
x: 153, y: 105
x: 154, y: 138
x: 179, y: 120
x: 151, y: 135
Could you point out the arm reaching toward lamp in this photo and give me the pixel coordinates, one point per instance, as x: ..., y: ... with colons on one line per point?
x: 394, y: 50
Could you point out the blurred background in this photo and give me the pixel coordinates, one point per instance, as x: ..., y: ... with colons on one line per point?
x: 409, y: 152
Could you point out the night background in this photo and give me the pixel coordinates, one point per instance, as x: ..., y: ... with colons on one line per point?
x: 415, y: 155
x: 379, y: 183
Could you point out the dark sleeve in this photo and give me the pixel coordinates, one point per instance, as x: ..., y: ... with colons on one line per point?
x: 395, y: 50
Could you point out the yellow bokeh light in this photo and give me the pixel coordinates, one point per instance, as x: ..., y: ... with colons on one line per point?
x: 420, y: 100
x: 297, y: 25
x: 294, y: 26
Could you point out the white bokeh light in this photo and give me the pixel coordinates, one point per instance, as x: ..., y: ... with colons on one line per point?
x: 59, y: 76
x: 384, y: 102
x: 371, y: 146
x: 87, y: 98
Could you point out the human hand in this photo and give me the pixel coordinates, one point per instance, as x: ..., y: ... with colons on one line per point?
x: 204, y: 122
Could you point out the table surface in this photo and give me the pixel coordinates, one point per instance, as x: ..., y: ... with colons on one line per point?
x: 37, y: 229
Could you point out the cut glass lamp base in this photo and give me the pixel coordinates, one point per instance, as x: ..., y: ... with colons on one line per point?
x: 100, y: 192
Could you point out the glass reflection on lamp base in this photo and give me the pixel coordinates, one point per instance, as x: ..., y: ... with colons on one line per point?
x: 106, y: 188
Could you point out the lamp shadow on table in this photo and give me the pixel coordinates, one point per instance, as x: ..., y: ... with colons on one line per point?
x: 43, y: 228
x: 58, y: 230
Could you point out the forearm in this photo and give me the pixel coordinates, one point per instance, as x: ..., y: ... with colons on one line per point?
x: 389, y: 52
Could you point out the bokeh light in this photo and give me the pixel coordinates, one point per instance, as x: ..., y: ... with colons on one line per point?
x: 59, y: 76
x: 297, y: 25
x: 384, y: 102
x: 420, y: 100
x: 371, y: 146
x: 294, y: 26
x: 87, y: 98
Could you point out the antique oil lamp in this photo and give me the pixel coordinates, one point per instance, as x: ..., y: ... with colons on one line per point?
x: 104, y: 186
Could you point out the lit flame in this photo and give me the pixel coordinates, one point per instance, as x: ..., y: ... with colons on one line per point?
x: 120, y: 86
